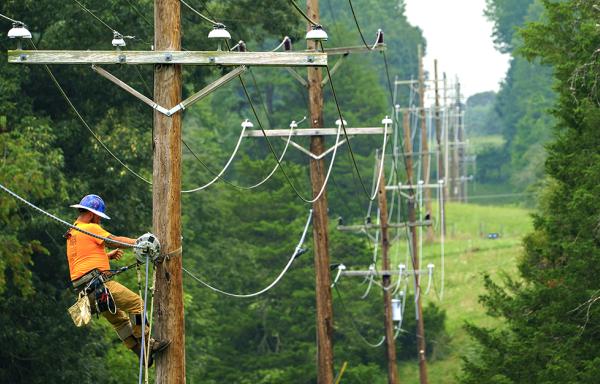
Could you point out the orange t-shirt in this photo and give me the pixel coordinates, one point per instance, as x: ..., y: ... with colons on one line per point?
x: 85, y: 252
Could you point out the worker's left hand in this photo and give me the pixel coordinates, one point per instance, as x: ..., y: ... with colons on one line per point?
x: 115, y: 254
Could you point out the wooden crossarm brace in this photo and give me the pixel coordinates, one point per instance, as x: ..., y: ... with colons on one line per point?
x: 184, y: 104
x: 337, y: 65
x: 298, y: 77
x: 223, y: 58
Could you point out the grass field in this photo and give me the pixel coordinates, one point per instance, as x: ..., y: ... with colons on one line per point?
x: 469, y: 254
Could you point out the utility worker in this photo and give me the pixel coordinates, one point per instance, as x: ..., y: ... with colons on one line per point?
x: 88, y: 258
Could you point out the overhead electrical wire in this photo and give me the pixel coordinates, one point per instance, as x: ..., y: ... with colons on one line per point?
x: 198, y: 13
x: 302, y: 13
x: 240, y: 187
x: 84, y: 122
x: 277, y: 279
x: 289, y: 181
x: 218, y: 176
x: 344, y: 128
x: 354, y: 325
x: 9, y: 19
x: 63, y: 222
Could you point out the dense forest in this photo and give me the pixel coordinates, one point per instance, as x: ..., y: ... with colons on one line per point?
x: 549, y: 312
x: 235, y: 239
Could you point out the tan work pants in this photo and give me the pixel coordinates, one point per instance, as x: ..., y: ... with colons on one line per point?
x: 128, y: 303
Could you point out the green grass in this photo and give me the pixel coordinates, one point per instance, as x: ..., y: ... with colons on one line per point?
x: 469, y: 254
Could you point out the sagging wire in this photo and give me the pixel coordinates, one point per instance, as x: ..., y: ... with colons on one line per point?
x: 239, y: 187
x: 344, y: 128
x: 106, y: 239
x: 198, y: 13
x: 430, y: 277
x: 86, y: 125
x: 297, y: 8
x: 143, y: 347
x: 11, y: 20
x: 354, y: 326
x: 371, y: 278
x: 218, y: 176
x: 279, y: 162
x: 296, y: 252
x: 379, y: 32
x: 340, y: 269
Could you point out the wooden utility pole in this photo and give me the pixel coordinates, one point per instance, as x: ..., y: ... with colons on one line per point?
x: 387, y: 296
x: 424, y: 143
x: 166, y: 196
x: 440, y: 152
x: 412, y: 217
x: 462, y: 169
x: 321, y: 238
x: 455, y: 174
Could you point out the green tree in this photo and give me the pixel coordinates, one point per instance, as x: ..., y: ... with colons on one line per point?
x: 551, y: 312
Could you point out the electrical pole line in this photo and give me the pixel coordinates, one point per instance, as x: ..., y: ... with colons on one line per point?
x: 440, y: 154
x: 424, y: 140
x: 167, y: 59
x: 321, y: 237
x: 166, y: 196
x: 390, y: 342
x: 412, y: 217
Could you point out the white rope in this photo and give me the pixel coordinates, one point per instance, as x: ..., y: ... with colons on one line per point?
x: 218, y: 176
x: 277, y: 279
x: 107, y: 239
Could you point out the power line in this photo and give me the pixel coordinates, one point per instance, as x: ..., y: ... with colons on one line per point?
x: 107, y: 239
x: 94, y: 16
x: 9, y: 19
x: 239, y: 187
x: 84, y: 122
x: 277, y: 279
x: 279, y: 162
x: 302, y: 12
x: 198, y: 13
x: 218, y: 176
x: 344, y: 128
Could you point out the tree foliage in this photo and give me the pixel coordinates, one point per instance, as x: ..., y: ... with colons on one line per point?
x: 551, y: 311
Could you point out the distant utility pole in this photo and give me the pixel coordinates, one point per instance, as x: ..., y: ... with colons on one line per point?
x: 387, y: 296
x: 440, y: 152
x: 424, y: 140
x: 455, y: 175
x: 166, y: 195
x: 321, y: 238
x: 412, y: 218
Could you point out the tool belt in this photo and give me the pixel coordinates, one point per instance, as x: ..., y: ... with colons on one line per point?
x: 100, y: 297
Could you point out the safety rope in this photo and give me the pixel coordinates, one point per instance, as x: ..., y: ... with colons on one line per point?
x: 277, y: 279
x: 107, y: 239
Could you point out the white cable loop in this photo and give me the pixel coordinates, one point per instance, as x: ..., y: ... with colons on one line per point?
x: 277, y: 279
x: 66, y: 223
x: 371, y: 275
x: 287, y: 143
x: 218, y: 176
x: 429, y: 279
x: 340, y: 268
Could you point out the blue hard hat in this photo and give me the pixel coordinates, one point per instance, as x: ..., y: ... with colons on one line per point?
x: 94, y: 204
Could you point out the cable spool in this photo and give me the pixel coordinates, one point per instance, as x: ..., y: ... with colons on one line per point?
x: 147, y: 246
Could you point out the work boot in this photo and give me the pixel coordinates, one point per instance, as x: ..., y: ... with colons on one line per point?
x: 157, y: 346
x: 137, y: 349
